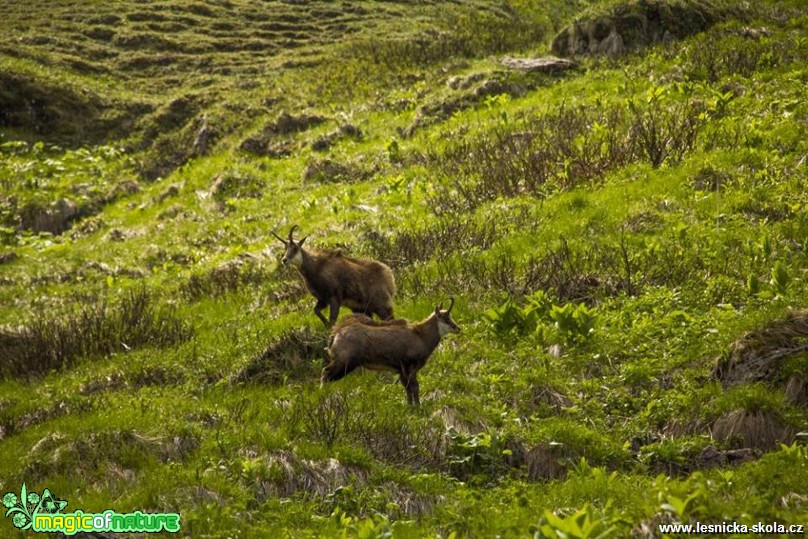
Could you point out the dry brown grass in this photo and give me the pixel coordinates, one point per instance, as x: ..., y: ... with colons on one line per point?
x: 762, y: 430
x: 760, y: 355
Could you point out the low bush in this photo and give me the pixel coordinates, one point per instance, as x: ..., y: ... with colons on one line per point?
x: 56, y: 341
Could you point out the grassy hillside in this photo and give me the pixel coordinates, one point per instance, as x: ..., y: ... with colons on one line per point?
x: 626, y: 240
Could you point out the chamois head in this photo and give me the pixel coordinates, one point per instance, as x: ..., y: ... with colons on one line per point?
x: 294, y: 248
x: 445, y: 322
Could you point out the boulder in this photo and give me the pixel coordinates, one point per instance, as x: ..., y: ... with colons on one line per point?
x: 633, y: 25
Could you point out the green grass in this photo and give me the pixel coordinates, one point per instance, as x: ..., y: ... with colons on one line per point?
x: 601, y: 274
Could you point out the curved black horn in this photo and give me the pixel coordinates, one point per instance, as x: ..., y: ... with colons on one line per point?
x: 451, y: 304
x: 292, y: 231
x: 282, y: 240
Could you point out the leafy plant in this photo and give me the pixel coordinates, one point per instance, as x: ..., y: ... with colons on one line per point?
x: 780, y: 278
x: 574, y: 323
x: 582, y: 524
x: 470, y: 454
x: 571, y: 323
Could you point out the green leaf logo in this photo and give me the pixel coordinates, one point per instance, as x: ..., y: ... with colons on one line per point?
x: 24, y: 508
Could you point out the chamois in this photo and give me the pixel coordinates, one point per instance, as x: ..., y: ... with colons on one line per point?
x: 364, y: 286
x: 393, y: 345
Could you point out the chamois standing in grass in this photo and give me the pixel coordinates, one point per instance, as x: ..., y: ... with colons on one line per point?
x: 364, y: 286
x: 393, y: 345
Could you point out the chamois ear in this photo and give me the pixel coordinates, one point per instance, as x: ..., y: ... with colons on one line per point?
x: 301, y: 241
x: 439, y: 308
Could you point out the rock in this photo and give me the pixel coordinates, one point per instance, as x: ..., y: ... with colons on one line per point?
x: 170, y: 191
x: 205, y: 137
x: 712, y: 457
x: 55, y: 218
x: 8, y: 256
x: 613, y: 46
x: 461, y: 82
x: 754, y: 33
x: 543, y: 64
x: 633, y: 25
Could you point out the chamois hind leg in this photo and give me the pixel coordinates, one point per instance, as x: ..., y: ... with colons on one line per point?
x: 318, y: 307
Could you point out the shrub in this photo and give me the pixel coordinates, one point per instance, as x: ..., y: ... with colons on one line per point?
x: 336, y: 417
x: 665, y: 129
x: 440, y: 240
x: 89, y: 329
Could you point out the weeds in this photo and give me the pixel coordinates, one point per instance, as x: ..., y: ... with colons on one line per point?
x: 89, y: 330
x: 581, y: 524
x: 385, y: 432
x: 564, y: 148
x: 483, y: 454
x: 448, y: 236
x: 739, y: 51
x: 223, y: 279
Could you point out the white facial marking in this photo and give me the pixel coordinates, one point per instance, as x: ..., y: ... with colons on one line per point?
x: 297, y: 260
x: 443, y: 328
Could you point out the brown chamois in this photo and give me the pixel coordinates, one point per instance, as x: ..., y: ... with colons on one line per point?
x: 393, y: 345
x: 364, y: 286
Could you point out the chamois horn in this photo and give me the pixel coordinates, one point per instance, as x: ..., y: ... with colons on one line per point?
x: 291, y: 231
x: 283, y: 241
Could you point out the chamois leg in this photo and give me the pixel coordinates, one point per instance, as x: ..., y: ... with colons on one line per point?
x: 318, y: 307
x: 410, y: 382
x: 334, y: 305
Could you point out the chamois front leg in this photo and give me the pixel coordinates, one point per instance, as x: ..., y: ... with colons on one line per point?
x: 334, y: 306
x: 318, y: 307
x: 410, y: 382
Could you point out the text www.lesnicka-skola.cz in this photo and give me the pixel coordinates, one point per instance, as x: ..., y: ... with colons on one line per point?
x: 733, y: 527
